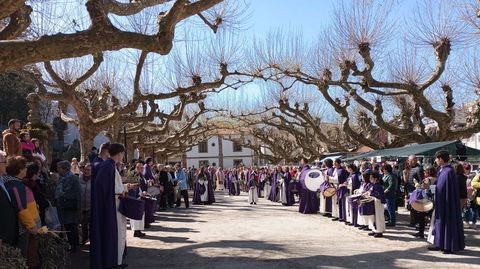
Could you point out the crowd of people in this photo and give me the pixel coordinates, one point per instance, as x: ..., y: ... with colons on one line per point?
x: 94, y: 196
x: 367, y: 195
x: 67, y: 197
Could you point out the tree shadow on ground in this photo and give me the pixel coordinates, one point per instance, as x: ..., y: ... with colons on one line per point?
x: 259, y: 254
x: 159, y: 228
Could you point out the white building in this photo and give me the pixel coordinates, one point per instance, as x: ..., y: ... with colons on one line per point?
x: 221, y: 152
x: 473, y: 141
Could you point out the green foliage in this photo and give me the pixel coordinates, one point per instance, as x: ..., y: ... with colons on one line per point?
x: 53, y: 251
x: 13, y: 92
x: 11, y: 257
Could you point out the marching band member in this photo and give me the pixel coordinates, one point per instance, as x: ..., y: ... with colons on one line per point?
x: 354, y: 183
x: 308, y: 199
x: 364, y: 210
x: 342, y: 191
x: 326, y: 202
x: 252, y: 187
x: 267, y: 183
x: 234, y: 186
x: 277, y: 175
x: 287, y: 195
x: 137, y: 226
x: 419, y: 217
x: 200, y: 192
x: 377, y: 224
x: 220, y: 178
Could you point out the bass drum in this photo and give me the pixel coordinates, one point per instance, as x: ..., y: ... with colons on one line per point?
x: 314, y: 179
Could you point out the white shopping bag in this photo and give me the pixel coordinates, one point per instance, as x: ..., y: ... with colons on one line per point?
x: 51, y: 218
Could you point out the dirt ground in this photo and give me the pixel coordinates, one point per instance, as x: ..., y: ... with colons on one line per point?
x: 233, y: 234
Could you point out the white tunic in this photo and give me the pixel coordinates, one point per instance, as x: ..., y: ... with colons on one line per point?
x: 253, y: 195
x: 204, y: 196
x: 283, y: 192
x: 120, y: 188
x: 379, y: 219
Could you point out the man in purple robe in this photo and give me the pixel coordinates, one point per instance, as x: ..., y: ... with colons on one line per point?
x: 448, y: 227
x: 309, y: 203
x: 104, y: 229
x: 342, y: 190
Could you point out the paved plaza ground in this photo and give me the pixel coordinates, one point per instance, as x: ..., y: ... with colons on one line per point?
x: 233, y: 234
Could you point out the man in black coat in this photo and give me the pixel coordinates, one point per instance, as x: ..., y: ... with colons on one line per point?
x: 8, y: 213
x: 164, y: 183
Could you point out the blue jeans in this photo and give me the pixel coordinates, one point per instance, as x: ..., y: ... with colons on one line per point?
x: 391, y: 209
x: 475, y: 209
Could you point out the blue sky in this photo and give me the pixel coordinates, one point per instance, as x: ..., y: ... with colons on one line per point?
x: 308, y: 15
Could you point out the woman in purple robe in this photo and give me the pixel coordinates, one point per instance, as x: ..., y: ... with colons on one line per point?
x: 147, y: 169
x: 448, y: 235
x: 273, y: 192
x: 211, y: 187
x: 377, y: 225
x: 309, y: 203
x: 365, y: 210
x: 354, y: 183
x: 199, y: 188
x: 325, y: 185
x: 233, y: 187
x: 342, y: 190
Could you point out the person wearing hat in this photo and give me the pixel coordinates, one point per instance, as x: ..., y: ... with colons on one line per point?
x: 11, y: 142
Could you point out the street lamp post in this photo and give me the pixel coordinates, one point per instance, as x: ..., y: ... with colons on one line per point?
x: 125, y: 157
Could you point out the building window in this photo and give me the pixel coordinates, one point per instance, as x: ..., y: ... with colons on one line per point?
x: 237, y: 147
x: 202, y: 163
x: 203, y: 147
x: 237, y: 162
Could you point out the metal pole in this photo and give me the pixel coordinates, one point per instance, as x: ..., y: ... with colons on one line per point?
x: 125, y: 157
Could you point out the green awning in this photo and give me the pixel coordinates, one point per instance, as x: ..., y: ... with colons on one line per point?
x: 426, y: 150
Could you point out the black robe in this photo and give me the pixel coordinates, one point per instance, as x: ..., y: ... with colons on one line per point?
x: 8, y: 219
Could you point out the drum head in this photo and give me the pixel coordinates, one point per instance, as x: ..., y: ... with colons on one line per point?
x: 314, y: 179
x: 422, y: 205
x: 329, y: 192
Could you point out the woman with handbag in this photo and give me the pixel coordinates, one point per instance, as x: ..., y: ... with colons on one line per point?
x: 68, y: 195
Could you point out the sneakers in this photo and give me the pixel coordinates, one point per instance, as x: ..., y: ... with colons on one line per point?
x: 472, y: 225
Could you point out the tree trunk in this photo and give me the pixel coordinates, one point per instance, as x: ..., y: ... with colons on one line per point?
x: 87, y: 135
